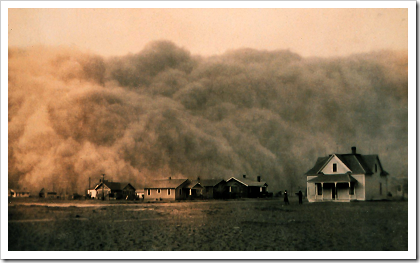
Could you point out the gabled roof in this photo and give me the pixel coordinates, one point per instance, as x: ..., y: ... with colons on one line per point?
x: 94, y: 186
x: 210, y: 182
x: 165, y: 183
x: 193, y: 185
x: 357, y: 163
x: 114, y: 186
x: 320, y: 162
x: 248, y: 182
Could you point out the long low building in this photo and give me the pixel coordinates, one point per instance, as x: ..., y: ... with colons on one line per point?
x: 179, y: 189
x: 166, y: 189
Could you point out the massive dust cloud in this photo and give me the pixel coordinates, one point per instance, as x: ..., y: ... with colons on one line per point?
x: 165, y: 112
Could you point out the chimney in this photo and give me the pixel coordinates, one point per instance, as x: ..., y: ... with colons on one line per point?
x: 244, y: 175
x: 170, y: 178
x: 259, y: 178
x: 353, y: 150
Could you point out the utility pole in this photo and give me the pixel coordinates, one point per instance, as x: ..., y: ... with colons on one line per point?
x: 103, y: 188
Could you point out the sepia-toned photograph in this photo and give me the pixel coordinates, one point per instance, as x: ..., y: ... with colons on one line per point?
x: 207, y: 129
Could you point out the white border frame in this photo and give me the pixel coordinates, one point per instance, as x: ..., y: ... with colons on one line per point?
x: 412, y: 157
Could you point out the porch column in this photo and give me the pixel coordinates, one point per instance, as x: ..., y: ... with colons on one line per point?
x: 322, y: 186
x: 335, y: 190
x: 190, y: 191
x: 316, y: 190
x: 349, y: 190
x: 354, y: 185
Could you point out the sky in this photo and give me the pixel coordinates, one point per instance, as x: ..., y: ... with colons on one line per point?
x: 308, y: 32
x: 142, y: 94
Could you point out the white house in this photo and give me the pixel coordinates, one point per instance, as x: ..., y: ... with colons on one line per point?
x: 346, y: 177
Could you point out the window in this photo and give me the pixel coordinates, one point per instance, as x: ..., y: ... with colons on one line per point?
x: 148, y: 191
x: 376, y: 168
x: 399, y: 188
x: 260, y: 189
x: 180, y: 191
x: 158, y: 191
x: 319, y: 189
x: 380, y: 188
x: 351, y: 190
x: 334, y: 167
x: 169, y: 191
x: 230, y: 189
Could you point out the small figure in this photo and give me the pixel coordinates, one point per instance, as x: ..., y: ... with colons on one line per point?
x: 286, y: 199
x: 300, y: 197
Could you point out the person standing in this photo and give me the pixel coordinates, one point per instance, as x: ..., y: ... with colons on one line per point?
x: 300, y: 197
x: 286, y: 199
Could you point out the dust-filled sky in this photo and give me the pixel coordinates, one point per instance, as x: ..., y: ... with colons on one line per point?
x: 308, y: 32
x: 142, y: 94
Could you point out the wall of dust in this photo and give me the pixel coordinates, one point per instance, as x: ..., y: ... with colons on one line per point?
x: 164, y: 112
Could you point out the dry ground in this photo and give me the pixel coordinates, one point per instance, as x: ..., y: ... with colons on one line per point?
x: 247, y: 224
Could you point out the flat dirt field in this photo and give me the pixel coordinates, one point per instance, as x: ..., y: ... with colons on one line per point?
x: 235, y: 225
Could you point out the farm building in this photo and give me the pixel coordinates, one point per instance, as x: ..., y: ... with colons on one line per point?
x: 91, y: 192
x: 140, y: 193
x: 194, y: 189
x: 115, y: 190
x: 346, y: 177
x: 19, y: 193
x: 166, y: 189
x: 245, y: 187
x: 213, y: 188
x: 44, y: 193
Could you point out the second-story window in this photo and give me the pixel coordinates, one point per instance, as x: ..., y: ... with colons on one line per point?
x: 334, y: 167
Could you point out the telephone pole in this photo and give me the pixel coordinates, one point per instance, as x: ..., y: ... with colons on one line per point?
x: 103, y: 188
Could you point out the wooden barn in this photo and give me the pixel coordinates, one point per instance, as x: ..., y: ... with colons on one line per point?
x: 245, y: 187
x: 346, y: 177
x: 115, y: 190
x: 166, y: 189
